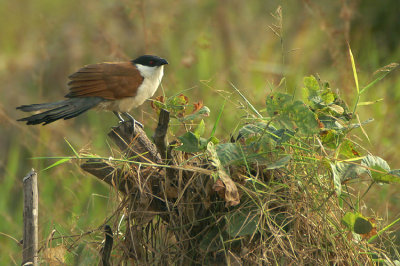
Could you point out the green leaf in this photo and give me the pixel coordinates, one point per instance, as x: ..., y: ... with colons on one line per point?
x: 213, y: 140
x: 344, y: 171
x: 379, y: 169
x: 353, y: 66
x: 336, y: 179
x: 218, y: 118
x: 357, y: 223
x: 210, y: 241
x: 348, y: 150
x: 311, y: 88
x: 336, y: 108
x: 199, y: 131
x: 362, y: 226
x: 228, y: 153
x: 241, y: 223
x: 72, y: 148
x: 190, y: 143
x: 282, y: 162
x: 328, y: 97
x: 57, y: 163
x: 203, y: 143
x: 394, y: 176
x: 349, y: 219
x: 203, y: 112
x: 292, y: 114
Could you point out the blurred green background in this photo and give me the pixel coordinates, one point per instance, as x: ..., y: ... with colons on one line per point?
x: 208, y: 45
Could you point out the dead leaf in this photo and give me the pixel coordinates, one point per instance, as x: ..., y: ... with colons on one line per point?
x: 231, y: 191
x: 55, y: 256
x: 231, y: 194
x: 197, y: 106
x: 219, y: 187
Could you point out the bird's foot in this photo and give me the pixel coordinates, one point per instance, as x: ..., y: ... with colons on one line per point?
x: 117, y: 114
x: 134, y: 121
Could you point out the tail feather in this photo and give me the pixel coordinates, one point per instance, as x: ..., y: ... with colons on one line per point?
x: 63, y: 109
x: 40, y: 106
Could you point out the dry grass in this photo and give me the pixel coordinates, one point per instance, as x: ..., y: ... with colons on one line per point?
x: 287, y: 216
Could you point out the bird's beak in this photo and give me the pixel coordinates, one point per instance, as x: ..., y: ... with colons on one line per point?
x: 163, y: 62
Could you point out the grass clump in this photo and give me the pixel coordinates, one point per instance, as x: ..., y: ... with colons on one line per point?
x: 284, y: 190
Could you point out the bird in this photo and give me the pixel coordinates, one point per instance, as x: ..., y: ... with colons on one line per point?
x: 110, y: 86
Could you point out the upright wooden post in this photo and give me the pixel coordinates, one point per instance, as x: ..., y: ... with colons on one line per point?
x: 30, y: 237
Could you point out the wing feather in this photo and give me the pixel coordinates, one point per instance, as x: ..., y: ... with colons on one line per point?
x: 111, y: 81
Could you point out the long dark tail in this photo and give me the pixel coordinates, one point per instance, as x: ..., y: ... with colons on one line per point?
x: 62, y: 109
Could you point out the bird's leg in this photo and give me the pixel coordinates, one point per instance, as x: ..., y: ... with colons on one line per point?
x: 119, y: 116
x: 127, y: 115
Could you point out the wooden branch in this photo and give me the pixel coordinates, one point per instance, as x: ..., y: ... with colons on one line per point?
x: 134, y: 143
x: 105, y: 252
x: 160, y: 139
x: 31, y: 208
x: 106, y: 172
x: 160, y: 135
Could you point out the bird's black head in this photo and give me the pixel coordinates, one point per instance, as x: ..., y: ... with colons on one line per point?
x: 150, y: 60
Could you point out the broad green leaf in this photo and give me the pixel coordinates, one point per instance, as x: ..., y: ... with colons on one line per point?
x: 282, y: 162
x: 357, y: 223
x: 241, y: 223
x: 292, y: 114
x: 190, y: 143
x: 362, y: 225
x: 328, y: 97
x: 213, y: 140
x: 394, y: 176
x: 349, y: 219
x: 344, y: 171
x: 229, y: 153
x: 203, y: 143
x: 379, y: 169
x: 199, y: 131
x: 348, y: 150
x: 211, y: 241
x: 311, y: 88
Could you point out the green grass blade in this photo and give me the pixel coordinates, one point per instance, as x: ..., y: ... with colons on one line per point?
x: 389, y: 68
x: 353, y: 66
x: 72, y: 148
x: 383, y: 230
x: 56, y: 163
x: 217, y: 121
x: 247, y: 101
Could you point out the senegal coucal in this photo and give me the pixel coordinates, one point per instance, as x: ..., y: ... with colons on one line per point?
x: 115, y: 86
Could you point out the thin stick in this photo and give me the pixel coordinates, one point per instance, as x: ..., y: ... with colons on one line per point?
x: 30, y: 237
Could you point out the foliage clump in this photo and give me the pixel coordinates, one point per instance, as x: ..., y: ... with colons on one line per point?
x: 280, y: 191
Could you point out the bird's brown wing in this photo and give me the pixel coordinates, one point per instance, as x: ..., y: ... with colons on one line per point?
x: 111, y: 81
